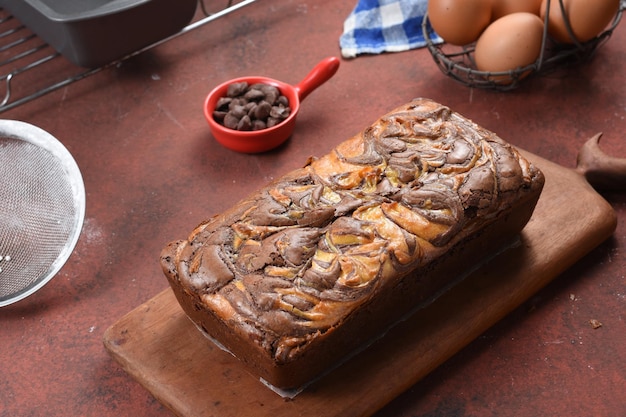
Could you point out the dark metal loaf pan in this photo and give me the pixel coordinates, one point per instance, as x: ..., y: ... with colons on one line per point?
x: 91, y: 33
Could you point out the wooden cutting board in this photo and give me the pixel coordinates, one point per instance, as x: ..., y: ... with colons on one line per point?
x: 161, y: 348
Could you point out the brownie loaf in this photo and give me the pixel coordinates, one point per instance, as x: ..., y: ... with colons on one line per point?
x: 298, y: 275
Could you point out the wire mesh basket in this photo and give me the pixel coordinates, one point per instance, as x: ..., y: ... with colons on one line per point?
x: 458, y: 62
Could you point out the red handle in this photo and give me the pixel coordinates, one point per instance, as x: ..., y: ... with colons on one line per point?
x: 321, y: 73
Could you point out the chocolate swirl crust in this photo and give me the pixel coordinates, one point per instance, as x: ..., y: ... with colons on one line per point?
x: 312, y: 266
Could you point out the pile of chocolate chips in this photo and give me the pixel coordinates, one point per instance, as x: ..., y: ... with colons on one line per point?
x: 251, y: 107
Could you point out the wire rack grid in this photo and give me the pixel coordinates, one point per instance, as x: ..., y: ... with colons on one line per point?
x: 22, y: 51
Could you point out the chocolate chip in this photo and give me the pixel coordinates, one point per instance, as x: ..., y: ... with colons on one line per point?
x: 219, y: 115
x: 272, y: 121
x: 272, y: 94
x: 259, y: 125
x: 279, y: 112
x: 245, y: 123
x: 222, y: 103
x: 239, y: 111
x: 230, y: 121
x: 236, y: 89
x: 254, y: 95
x: 282, y: 100
x: 262, y: 111
x: 251, y: 107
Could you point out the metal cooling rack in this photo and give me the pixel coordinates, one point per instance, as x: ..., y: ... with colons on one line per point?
x: 22, y: 51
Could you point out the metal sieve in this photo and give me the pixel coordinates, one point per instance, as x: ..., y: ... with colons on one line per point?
x: 42, y: 208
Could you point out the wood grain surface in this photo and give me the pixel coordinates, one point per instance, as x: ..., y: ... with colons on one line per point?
x: 161, y: 348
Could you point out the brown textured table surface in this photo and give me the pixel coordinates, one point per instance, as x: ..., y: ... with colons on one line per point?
x: 152, y: 172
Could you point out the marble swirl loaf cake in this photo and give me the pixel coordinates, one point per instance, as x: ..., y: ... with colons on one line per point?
x: 317, y: 263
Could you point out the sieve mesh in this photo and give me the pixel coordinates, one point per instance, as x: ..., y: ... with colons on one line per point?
x: 39, y: 216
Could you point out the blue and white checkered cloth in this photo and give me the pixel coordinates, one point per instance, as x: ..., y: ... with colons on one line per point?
x: 377, y: 26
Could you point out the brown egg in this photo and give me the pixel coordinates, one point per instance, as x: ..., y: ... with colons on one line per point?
x: 501, y: 8
x: 511, y: 42
x: 459, y: 22
x: 587, y: 18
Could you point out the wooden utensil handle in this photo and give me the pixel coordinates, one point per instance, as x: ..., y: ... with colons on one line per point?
x: 602, y: 171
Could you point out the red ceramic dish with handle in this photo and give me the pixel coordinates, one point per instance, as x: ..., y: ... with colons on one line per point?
x: 263, y: 140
